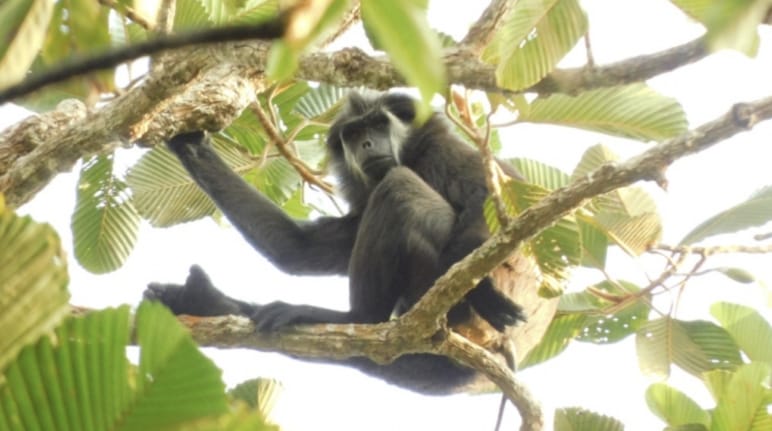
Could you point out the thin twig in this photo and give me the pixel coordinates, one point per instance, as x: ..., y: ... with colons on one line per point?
x: 718, y: 249
x: 281, y: 145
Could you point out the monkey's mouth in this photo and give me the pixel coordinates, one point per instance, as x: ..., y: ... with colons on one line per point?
x: 377, y: 167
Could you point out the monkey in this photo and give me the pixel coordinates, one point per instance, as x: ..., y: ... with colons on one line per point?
x: 415, y: 197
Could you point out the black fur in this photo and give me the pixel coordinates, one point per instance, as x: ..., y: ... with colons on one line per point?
x: 415, y: 209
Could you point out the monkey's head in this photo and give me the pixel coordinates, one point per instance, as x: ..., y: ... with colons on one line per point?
x: 366, y: 140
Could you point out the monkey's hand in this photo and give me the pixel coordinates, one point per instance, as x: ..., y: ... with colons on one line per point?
x: 180, y: 142
x: 197, y: 297
x: 493, y: 306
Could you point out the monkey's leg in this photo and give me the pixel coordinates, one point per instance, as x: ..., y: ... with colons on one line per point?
x: 396, y: 256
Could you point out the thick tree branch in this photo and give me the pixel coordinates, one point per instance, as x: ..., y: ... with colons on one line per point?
x: 352, y: 67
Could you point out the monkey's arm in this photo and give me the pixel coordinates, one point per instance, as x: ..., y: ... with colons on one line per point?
x: 319, y: 247
x: 470, y: 232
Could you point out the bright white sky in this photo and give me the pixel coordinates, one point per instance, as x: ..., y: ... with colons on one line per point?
x: 606, y: 378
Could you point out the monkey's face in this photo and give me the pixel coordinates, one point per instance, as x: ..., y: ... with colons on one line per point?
x: 371, y: 143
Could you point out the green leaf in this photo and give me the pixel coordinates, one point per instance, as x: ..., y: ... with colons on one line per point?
x: 730, y: 24
x: 174, y: 376
x: 191, y: 14
x: 80, y: 379
x: 260, y: 394
x: 555, y: 248
x: 627, y: 216
x: 216, y: 10
x: 33, y: 282
x: 276, y: 179
x: 23, y: 26
x: 77, y: 380
x: 633, y: 234
x: 282, y: 61
x: 755, y: 211
x: 592, y: 159
x: 321, y: 103
x: 163, y: 192
x: 594, y: 245
x: 695, y: 346
x: 674, y: 407
x: 402, y: 28
x: 257, y: 11
x: 561, y: 331
x: 535, y: 36
x: 633, y: 111
x: 737, y: 274
x: 104, y: 223
x: 579, y: 419
x: 541, y: 174
x: 748, y: 328
x: 745, y: 401
x: 602, y: 327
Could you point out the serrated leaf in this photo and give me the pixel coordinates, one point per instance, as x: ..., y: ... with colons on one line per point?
x: 578, y: 419
x: 674, y: 407
x: 748, y: 328
x: 174, y: 376
x: 603, y: 327
x: 23, y: 26
x: 321, y: 103
x: 401, y: 26
x: 541, y: 174
x: 74, y: 380
x: 633, y: 234
x: 595, y: 157
x: 104, y: 223
x: 695, y: 346
x: 80, y: 379
x: 162, y: 191
x: 216, y: 10
x: 633, y: 111
x: 257, y: 11
x: 744, y: 404
x: 259, y: 394
x: 627, y: 216
x: 594, y: 245
x: 536, y: 34
x: 555, y: 249
x: 561, y: 331
x: 33, y: 282
x: 190, y: 14
x: 276, y: 179
x: 755, y: 211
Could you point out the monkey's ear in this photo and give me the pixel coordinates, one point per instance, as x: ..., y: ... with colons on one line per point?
x: 402, y: 106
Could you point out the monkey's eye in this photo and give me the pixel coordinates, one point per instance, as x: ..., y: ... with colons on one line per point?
x: 350, y: 132
x: 380, y: 121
